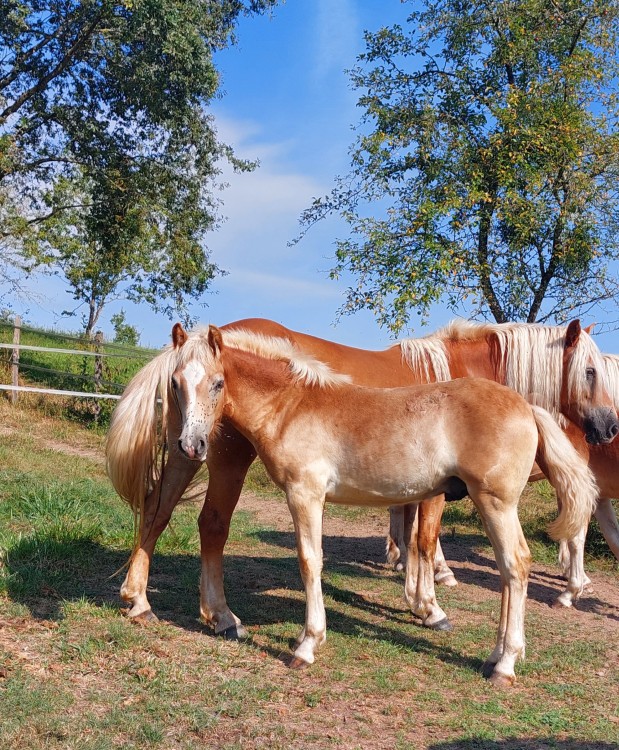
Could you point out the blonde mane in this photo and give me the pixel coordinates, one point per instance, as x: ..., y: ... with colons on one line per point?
x: 531, y: 355
x: 303, y: 367
x: 427, y: 356
x: 612, y: 376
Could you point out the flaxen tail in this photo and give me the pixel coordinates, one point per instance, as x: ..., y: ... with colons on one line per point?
x: 568, y: 473
x: 137, y: 432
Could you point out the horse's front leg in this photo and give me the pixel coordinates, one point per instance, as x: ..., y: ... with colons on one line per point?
x: 230, y: 456
x: 419, y: 585
x: 307, y: 508
x: 606, y: 517
x: 396, y: 547
x: 572, y: 552
x: 158, y: 506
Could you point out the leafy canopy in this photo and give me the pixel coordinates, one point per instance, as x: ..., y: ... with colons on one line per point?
x: 485, y: 170
x: 107, y: 155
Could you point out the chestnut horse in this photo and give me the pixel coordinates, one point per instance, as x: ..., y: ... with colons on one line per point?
x: 324, y: 439
x: 133, y: 456
x: 603, y: 458
x: 604, y: 462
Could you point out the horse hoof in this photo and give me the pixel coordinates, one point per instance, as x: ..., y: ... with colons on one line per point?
x: 297, y: 663
x: 487, y: 669
x: 499, y: 680
x: 443, y: 624
x: 233, y: 633
x: 561, y: 604
x: 448, y: 580
x: 148, y: 617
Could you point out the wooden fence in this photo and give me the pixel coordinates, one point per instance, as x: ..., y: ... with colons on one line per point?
x: 14, y: 388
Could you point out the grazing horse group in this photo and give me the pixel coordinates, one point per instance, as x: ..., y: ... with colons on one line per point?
x: 334, y: 423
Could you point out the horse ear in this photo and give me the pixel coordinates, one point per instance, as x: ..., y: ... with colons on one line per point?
x: 215, y: 340
x: 589, y: 329
x: 179, y: 335
x: 572, y: 334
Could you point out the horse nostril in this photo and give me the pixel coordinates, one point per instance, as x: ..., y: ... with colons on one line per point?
x: 201, y: 446
x: 180, y: 446
x: 613, y: 430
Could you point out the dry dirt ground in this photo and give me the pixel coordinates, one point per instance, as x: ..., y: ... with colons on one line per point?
x: 544, y: 582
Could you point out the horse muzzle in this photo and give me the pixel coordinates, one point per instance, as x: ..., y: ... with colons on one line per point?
x: 601, y: 427
x: 194, y: 448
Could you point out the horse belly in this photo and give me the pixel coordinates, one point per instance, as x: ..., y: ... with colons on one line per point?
x: 389, y: 480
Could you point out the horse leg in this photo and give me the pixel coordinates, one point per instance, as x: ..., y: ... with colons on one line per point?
x: 514, y: 561
x: 229, y: 458
x: 576, y: 578
x: 443, y: 574
x: 422, y: 598
x: 158, y: 506
x: 395, y: 538
x: 609, y: 527
x: 307, y: 510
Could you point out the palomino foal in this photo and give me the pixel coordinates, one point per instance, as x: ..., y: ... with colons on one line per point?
x: 323, y: 439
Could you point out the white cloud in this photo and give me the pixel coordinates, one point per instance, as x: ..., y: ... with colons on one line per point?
x: 337, y: 37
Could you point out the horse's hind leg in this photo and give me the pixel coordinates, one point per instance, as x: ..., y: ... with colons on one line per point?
x: 230, y: 456
x: 158, y: 507
x: 514, y: 561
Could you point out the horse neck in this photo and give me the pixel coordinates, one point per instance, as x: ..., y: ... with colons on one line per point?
x: 478, y: 357
x: 255, y: 390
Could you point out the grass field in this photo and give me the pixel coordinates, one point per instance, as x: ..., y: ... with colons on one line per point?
x: 69, y: 372
x: 75, y: 673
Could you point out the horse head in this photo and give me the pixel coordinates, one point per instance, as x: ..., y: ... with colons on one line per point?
x: 198, y: 386
x: 585, y: 395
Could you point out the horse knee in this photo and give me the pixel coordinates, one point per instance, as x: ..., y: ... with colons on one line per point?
x: 212, y: 523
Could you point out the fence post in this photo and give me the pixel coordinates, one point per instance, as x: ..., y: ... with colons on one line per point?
x: 98, y: 339
x: 15, y: 357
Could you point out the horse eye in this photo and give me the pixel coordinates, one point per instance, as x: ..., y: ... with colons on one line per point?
x: 218, y: 384
x: 174, y: 383
x: 590, y: 374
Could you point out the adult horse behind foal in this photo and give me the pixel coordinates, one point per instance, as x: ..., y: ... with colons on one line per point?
x: 527, y: 360
x: 323, y: 439
x: 134, y: 443
x: 604, y: 463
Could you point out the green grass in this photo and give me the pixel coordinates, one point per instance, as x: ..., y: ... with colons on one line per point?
x: 71, y: 372
x: 74, y: 673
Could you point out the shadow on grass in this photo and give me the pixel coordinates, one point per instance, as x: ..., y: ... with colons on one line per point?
x: 541, y: 743
x: 470, y: 566
x: 43, y: 574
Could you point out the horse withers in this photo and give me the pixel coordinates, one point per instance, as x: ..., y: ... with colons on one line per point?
x: 323, y: 439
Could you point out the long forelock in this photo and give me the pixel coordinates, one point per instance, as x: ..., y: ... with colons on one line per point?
x: 611, y: 362
x: 586, y: 354
x: 304, y: 368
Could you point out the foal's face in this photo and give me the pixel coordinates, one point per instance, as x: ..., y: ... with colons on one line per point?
x: 198, y: 390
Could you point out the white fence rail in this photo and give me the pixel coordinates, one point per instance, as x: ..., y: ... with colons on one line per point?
x: 97, y: 378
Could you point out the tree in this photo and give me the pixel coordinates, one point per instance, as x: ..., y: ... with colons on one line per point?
x: 485, y: 173
x: 107, y: 155
x: 124, y: 333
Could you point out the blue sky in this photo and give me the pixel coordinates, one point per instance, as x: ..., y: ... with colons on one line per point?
x: 286, y: 101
